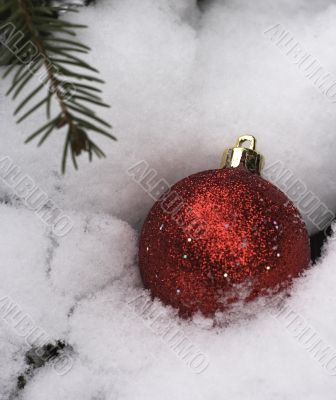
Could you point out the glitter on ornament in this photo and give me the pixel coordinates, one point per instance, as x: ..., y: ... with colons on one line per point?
x: 246, y: 220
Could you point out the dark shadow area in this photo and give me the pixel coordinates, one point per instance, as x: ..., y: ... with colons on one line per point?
x: 317, y: 240
x: 37, y: 358
x: 204, y: 4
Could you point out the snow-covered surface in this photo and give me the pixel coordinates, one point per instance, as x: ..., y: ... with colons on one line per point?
x: 183, y: 83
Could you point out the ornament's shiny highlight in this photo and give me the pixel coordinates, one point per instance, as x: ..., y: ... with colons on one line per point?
x: 241, y: 155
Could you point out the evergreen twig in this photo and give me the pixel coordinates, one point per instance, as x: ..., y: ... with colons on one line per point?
x: 37, y: 41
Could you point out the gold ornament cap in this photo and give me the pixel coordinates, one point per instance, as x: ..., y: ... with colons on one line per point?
x: 241, y: 155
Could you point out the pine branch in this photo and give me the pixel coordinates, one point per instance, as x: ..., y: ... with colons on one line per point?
x: 38, y: 43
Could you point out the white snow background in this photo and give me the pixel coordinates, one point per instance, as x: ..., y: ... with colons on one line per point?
x: 183, y: 84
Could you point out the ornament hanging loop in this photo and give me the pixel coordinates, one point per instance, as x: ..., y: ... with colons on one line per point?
x: 246, y: 138
x: 241, y: 155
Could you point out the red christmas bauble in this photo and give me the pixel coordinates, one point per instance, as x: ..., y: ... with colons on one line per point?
x: 222, y: 235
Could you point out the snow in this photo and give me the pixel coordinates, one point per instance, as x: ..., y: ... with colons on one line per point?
x: 183, y: 84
